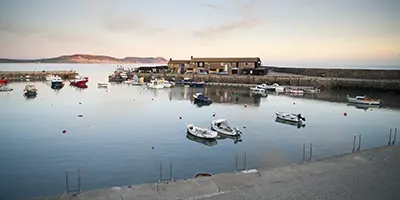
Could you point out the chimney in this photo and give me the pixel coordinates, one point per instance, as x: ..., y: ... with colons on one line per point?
x: 170, y: 59
x: 191, y: 57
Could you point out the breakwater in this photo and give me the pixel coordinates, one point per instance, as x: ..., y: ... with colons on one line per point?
x: 340, y: 73
x: 36, y: 75
x: 317, y: 82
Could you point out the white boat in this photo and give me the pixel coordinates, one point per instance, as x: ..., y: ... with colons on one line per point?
x: 165, y: 83
x: 102, y: 85
x: 257, y: 89
x: 5, y: 88
x: 363, y: 100
x: 201, y: 132
x: 269, y: 87
x: 155, y: 85
x: 50, y: 77
x: 30, y: 90
x: 222, y: 127
x: 312, y: 91
x: 290, y: 117
x: 294, y: 91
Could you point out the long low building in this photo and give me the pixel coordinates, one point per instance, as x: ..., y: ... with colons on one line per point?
x: 231, y: 66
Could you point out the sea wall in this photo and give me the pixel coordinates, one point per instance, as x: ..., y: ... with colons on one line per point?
x: 340, y: 73
x: 36, y: 75
x: 318, y: 82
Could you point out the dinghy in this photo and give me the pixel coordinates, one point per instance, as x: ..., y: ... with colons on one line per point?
x: 297, y: 118
x: 201, y: 132
x: 222, y: 127
x: 363, y: 100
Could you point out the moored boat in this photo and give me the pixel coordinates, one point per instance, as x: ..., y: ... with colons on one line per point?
x: 199, y: 97
x: 201, y: 132
x: 222, y: 127
x: 79, y: 80
x: 363, y: 100
x: 30, y: 90
x: 57, y: 83
x: 5, y: 88
x: 257, y: 88
x: 155, y: 85
x: 290, y: 117
x: 197, y: 84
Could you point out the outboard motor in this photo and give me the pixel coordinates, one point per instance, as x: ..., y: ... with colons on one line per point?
x: 300, y: 117
x: 237, y: 130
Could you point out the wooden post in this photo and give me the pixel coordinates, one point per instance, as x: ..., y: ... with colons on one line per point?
x: 245, y: 160
x: 390, y: 137
x: 359, y: 142
x: 237, y: 161
x: 354, y: 143
x: 304, y: 152
x: 395, y: 134
x: 170, y: 170
x: 160, y: 172
x: 79, y: 181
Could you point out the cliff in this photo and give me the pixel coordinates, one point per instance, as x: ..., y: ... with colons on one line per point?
x: 85, y: 58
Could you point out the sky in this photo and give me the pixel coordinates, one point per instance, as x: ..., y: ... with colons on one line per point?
x: 280, y: 32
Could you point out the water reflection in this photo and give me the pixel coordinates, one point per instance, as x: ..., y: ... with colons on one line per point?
x: 297, y: 124
x: 30, y: 95
x: 236, y: 139
x: 218, y: 95
x: 364, y: 107
x: 207, y: 142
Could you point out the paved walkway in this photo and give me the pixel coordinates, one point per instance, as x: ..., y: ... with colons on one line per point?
x: 369, y: 175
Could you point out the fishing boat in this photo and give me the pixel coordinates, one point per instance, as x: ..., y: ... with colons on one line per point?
x: 201, y: 132
x: 57, y: 83
x: 297, y: 124
x: 79, y: 80
x: 165, y: 83
x: 3, y: 81
x: 30, y: 90
x: 199, y: 97
x: 363, y: 100
x: 297, y: 118
x: 5, y: 88
x: 207, y: 142
x: 197, y: 84
x: 155, y: 85
x: 222, y: 127
x: 257, y: 89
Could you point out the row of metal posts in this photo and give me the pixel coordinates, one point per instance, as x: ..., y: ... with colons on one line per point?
x: 390, y: 142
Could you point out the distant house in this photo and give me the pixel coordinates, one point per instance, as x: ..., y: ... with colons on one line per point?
x: 178, y: 66
x: 151, y: 69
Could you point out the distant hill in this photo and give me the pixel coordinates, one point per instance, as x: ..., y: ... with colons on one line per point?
x: 85, y: 58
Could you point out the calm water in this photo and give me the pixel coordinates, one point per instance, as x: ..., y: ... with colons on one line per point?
x: 113, y: 142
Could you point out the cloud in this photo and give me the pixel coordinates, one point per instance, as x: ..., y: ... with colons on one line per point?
x: 249, y: 18
x: 213, y: 6
x: 131, y: 24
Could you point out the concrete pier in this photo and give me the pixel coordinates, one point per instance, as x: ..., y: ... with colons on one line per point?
x: 36, y: 75
x: 369, y: 175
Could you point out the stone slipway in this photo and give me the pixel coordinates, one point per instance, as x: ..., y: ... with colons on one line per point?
x: 368, y: 175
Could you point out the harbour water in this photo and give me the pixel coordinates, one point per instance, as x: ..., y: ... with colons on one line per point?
x: 127, y: 130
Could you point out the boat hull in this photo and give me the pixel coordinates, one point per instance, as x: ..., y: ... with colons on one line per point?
x: 197, y: 84
x: 215, y: 127
x: 201, y: 132
x: 293, y: 118
x: 364, y: 102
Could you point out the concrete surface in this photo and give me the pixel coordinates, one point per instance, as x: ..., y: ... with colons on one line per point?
x: 368, y: 175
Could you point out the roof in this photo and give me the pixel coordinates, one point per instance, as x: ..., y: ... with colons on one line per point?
x: 250, y: 59
x: 179, y: 62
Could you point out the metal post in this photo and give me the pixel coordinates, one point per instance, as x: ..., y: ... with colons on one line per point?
x: 79, y: 181
x: 359, y: 142
x: 170, y: 170
x: 159, y: 180
x: 304, y: 152
x: 390, y: 137
x: 237, y: 161
x: 245, y: 157
x: 66, y: 182
x: 310, y: 151
x: 354, y: 143
x: 394, y: 137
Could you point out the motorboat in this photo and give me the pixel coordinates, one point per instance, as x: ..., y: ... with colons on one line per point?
x: 197, y: 84
x: 79, y: 80
x: 102, y: 85
x: 5, y: 88
x: 57, y: 83
x: 201, y: 132
x: 269, y: 87
x: 290, y: 117
x: 207, y: 142
x: 294, y: 91
x: 199, y: 97
x: 30, y: 90
x: 312, y: 91
x: 257, y: 89
x: 185, y: 81
x: 363, y: 100
x: 222, y: 127
x: 363, y: 106
x: 165, y: 83
x: 50, y: 77
x: 297, y: 124
x: 155, y: 85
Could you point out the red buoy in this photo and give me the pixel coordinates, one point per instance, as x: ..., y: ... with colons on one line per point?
x: 245, y: 105
x: 345, y: 113
x: 64, y: 131
x: 180, y: 117
x: 152, y: 99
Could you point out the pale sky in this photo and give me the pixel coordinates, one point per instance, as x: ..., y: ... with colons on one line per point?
x: 281, y: 32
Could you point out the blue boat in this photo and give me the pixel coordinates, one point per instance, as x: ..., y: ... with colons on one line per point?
x: 200, y: 98
x: 185, y: 81
x: 57, y: 83
x: 197, y: 84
